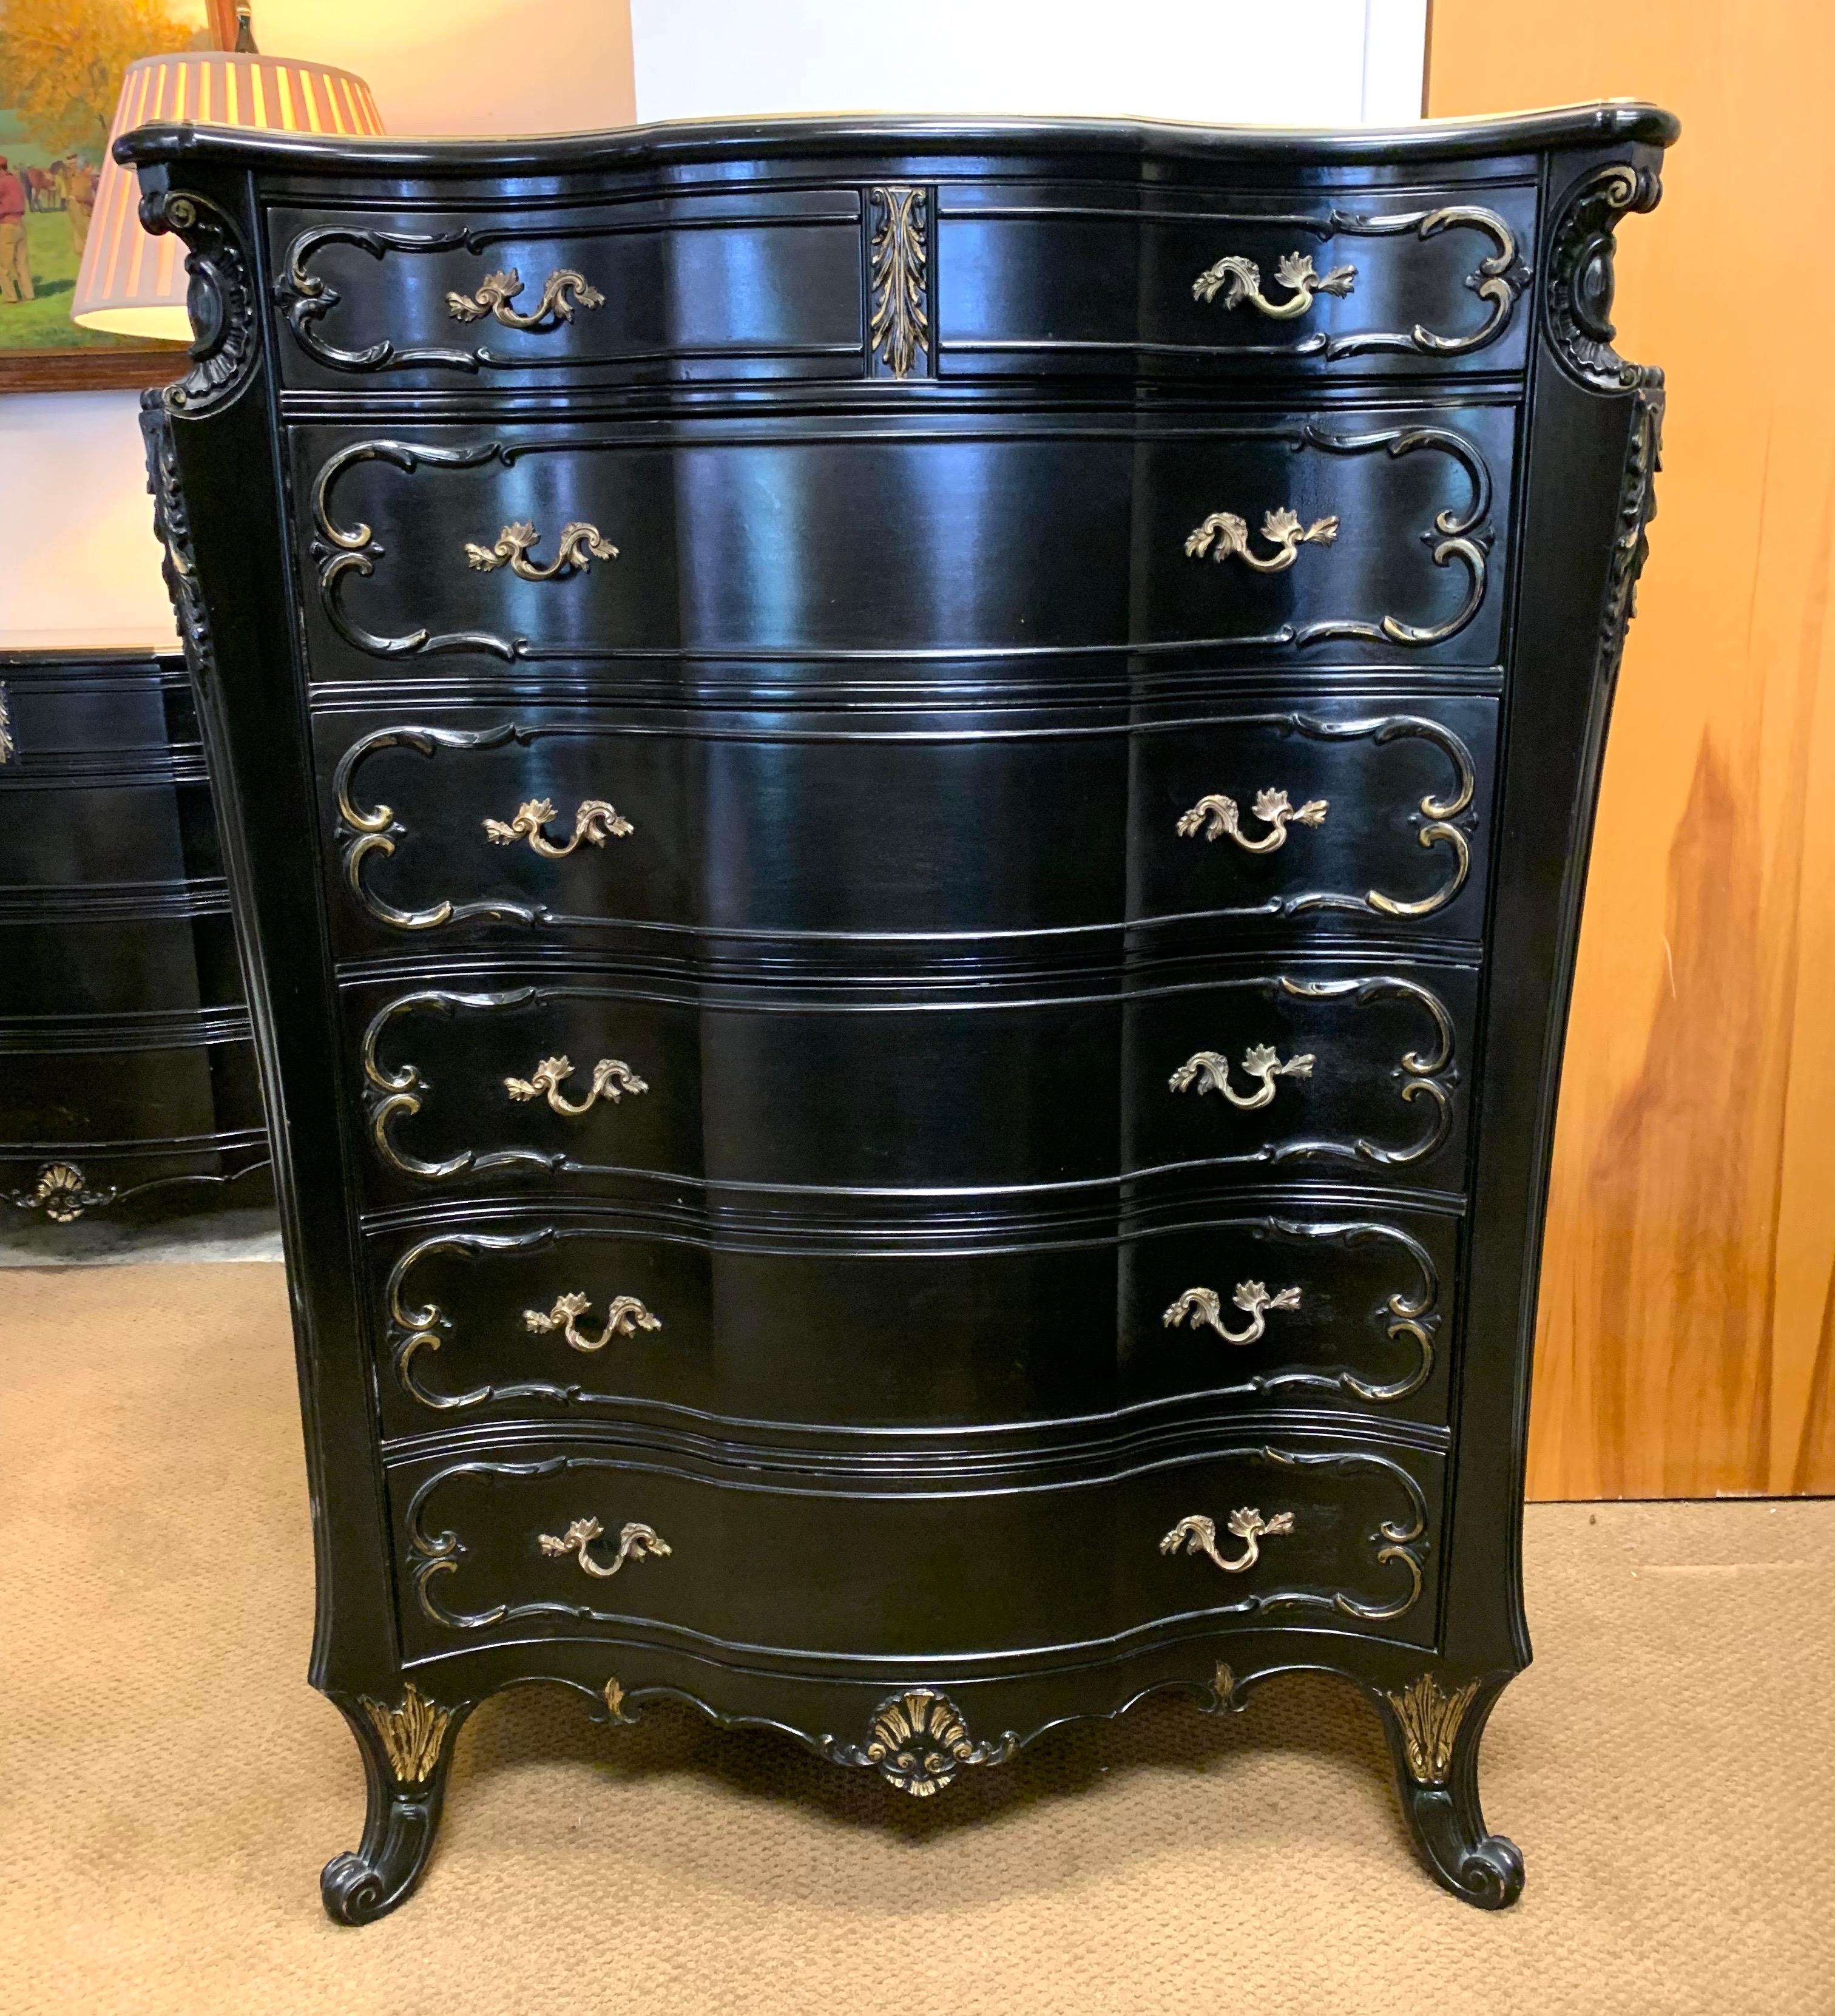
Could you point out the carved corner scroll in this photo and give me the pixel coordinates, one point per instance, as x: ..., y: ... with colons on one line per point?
x: 918, y: 1742
x: 171, y: 526
x: 9, y: 747
x: 1580, y: 279
x: 898, y: 334
x: 220, y: 299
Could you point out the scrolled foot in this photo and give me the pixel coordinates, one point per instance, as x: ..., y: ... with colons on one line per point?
x: 407, y: 1751
x: 1433, y: 1732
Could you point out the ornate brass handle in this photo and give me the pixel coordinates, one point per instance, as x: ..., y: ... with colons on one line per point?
x: 595, y: 822
x: 1223, y: 535
x: 1199, y: 1536
x: 611, y: 1079
x: 1240, y: 280
x: 1203, y: 1306
x: 1274, y: 807
x: 581, y: 544
x: 1210, y: 1073
x: 626, y: 1316
x: 560, y: 291
x: 636, y: 1542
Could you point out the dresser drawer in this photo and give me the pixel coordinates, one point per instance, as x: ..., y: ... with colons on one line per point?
x: 1036, y: 278
x: 152, y: 1078
x: 592, y: 1086
x: 588, y: 824
x: 1372, y: 533
x: 655, y: 289
x: 522, y: 1319
x: 74, y: 958
x: 532, y: 1538
x: 128, y: 833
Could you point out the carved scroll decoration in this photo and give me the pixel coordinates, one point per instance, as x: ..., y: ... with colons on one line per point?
x: 412, y: 1735
x: 899, y: 329
x: 349, y: 553
x: 1498, y: 279
x: 1581, y: 275
x: 1199, y: 1535
x: 1204, y: 1307
x: 918, y: 1742
x: 9, y: 747
x: 1430, y: 1723
x: 219, y: 300
x: 561, y: 292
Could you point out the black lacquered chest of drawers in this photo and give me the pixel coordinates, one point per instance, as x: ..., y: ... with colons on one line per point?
x: 908, y: 804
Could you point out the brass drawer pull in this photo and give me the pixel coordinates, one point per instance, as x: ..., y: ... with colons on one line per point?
x: 1224, y: 536
x: 580, y: 545
x: 1240, y: 280
x: 594, y: 821
x: 626, y: 1316
x: 636, y: 1542
x: 1273, y: 807
x: 1210, y: 1073
x: 1199, y: 1536
x: 612, y: 1078
x: 1204, y: 1306
x: 560, y: 292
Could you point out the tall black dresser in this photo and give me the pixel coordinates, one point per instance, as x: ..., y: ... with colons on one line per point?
x: 128, y: 1079
x: 908, y: 804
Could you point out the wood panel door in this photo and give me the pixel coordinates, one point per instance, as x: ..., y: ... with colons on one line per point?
x: 1687, y: 1338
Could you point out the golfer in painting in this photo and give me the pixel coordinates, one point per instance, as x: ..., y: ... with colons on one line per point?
x: 16, y: 264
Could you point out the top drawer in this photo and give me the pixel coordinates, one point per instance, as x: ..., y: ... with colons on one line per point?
x: 904, y: 280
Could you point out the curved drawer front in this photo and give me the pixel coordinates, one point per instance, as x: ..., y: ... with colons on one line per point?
x: 1033, y: 278
x: 151, y: 1077
x: 571, y: 1318
x: 129, y: 834
x: 1378, y: 534
x: 580, y: 1543
x: 1341, y: 1066
x: 576, y: 823
x: 658, y: 288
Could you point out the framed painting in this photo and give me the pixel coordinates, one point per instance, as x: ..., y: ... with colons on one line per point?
x: 61, y: 64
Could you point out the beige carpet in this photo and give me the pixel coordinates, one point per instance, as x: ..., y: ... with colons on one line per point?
x: 169, y: 1785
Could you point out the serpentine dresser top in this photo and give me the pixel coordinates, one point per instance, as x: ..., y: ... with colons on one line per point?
x: 907, y: 805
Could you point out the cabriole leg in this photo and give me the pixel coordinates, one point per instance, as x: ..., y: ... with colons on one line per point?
x: 407, y: 1752
x: 1433, y: 1736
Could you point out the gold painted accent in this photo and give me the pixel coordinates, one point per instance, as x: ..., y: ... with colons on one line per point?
x: 62, y: 1192
x: 636, y: 1542
x: 918, y: 1742
x: 1203, y: 1306
x: 612, y: 1078
x: 1240, y: 279
x: 1273, y: 806
x: 1430, y: 1722
x: 1224, y: 1685
x: 626, y: 1316
x: 1224, y: 536
x: 595, y: 822
x: 615, y: 1699
x: 900, y: 326
x: 1199, y: 1536
x: 560, y: 291
x: 1439, y: 812
x: 9, y: 748
x: 1210, y: 1073
x: 581, y: 544
x: 412, y: 1734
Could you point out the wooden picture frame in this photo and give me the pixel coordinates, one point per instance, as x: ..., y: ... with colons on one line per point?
x: 52, y: 127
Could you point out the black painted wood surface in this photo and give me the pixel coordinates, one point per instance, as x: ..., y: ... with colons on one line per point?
x: 907, y: 803
x: 129, y: 1069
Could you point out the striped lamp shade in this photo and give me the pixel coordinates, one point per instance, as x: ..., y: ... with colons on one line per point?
x: 135, y: 284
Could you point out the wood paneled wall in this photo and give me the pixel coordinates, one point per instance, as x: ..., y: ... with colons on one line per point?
x: 1687, y: 1337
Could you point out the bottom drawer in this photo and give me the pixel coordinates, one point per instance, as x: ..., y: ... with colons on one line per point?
x: 571, y: 1541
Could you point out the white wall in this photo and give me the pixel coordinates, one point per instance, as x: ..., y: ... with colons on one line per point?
x: 1310, y: 63
x: 77, y: 560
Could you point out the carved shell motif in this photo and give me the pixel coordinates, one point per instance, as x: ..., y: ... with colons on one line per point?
x: 919, y: 1742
